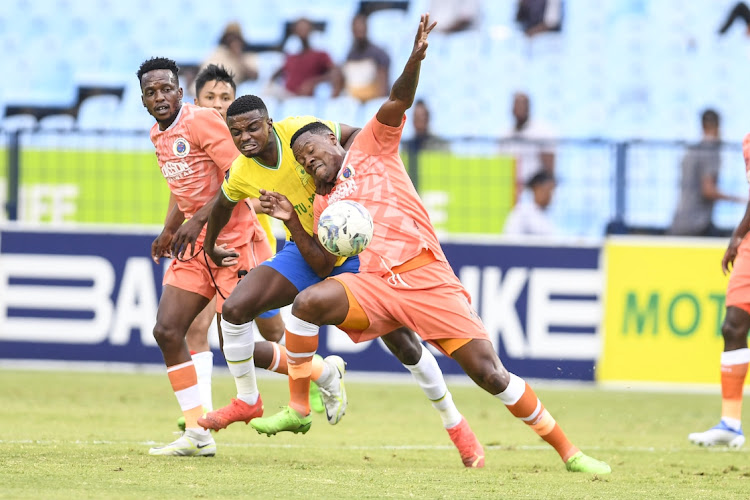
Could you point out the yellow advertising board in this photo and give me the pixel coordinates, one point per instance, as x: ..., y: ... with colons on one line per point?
x: 663, y: 309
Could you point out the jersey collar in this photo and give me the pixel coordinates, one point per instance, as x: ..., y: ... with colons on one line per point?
x: 279, y: 150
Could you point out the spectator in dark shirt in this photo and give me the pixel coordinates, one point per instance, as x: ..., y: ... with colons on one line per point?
x: 364, y: 74
x: 303, y: 71
x: 538, y: 16
x: 698, y: 187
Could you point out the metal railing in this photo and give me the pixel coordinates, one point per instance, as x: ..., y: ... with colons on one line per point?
x: 468, y: 184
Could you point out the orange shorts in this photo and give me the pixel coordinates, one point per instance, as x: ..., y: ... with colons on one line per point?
x: 429, y: 299
x: 738, y: 290
x: 194, y: 276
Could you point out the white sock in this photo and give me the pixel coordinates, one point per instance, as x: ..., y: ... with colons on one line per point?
x: 732, y: 423
x: 204, y: 365
x: 514, y: 391
x: 429, y: 377
x: 198, y: 432
x: 239, y: 346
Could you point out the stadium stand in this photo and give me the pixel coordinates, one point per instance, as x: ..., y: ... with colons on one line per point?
x: 619, y: 70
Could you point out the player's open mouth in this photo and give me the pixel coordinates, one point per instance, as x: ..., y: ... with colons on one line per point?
x: 248, y: 148
x: 161, y: 109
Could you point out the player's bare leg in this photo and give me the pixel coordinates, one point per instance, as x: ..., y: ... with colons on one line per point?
x: 734, y: 363
x: 406, y: 346
x: 177, y: 310
x: 480, y: 361
x: 272, y: 329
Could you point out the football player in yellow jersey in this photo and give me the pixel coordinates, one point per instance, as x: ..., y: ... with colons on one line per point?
x: 267, y: 163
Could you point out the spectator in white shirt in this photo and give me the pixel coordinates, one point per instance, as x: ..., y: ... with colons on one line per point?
x: 529, y: 217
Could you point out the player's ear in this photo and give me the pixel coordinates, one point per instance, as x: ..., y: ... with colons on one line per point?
x: 195, y: 101
x: 180, y: 93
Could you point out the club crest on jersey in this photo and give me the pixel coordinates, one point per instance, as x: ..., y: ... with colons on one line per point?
x: 347, y: 172
x: 181, y: 147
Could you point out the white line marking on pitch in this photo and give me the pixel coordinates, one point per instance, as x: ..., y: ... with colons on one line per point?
x: 647, y: 449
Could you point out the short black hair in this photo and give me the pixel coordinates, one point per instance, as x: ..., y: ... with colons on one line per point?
x: 540, y: 178
x: 710, y: 118
x: 245, y: 104
x: 158, y: 63
x: 214, y: 72
x: 319, y: 128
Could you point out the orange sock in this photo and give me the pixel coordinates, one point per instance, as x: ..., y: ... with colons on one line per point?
x: 733, y: 371
x: 279, y: 363
x: 301, y: 344
x: 523, y: 403
x: 184, y: 382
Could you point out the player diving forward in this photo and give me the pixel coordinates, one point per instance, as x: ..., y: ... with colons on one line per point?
x: 404, y: 277
x: 267, y: 162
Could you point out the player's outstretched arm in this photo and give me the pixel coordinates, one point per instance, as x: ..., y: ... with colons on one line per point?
x: 318, y: 258
x: 221, y: 211
x: 391, y: 113
x: 734, y: 242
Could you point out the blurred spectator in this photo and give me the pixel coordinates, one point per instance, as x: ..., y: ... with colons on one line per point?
x: 454, y: 15
x: 538, y: 16
x: 304, y: 70
x: 231, y: 54
x: 739, y: 11
x: 364, y: 74
x: 698, y: 187
x: 424, y: 139
x: 529, y: 216
x: 529, y: 142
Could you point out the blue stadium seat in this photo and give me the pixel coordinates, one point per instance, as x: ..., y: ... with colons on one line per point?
x: 99, y: 112
x: 343, y: 109
x: 298, y: 106
x: 18, y: 122
x: 57, y: 122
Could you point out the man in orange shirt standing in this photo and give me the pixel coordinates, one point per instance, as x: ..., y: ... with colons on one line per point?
x: 195, y: 150
x: 404, y: 279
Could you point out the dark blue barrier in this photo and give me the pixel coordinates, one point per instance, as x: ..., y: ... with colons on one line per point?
x: 88, y: 296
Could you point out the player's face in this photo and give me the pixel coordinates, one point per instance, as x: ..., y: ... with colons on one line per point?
x: 216, y: 94
x: 319, y: 156
x: 250, y: 132
x: 162, y: 95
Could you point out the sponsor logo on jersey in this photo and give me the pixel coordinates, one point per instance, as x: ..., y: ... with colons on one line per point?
x: 173, y: 170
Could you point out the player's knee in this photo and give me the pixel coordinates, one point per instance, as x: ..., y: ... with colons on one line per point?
x: 490, y: 377
x: 234, y: 313
x: 307, y: 306
x: 408, y: 350
x: 165, y: 336
x: 733, y: 331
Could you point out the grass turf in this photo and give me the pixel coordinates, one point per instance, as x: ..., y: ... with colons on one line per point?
x: 86, y: 435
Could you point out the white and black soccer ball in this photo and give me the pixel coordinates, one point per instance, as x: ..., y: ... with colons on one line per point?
x: 345, y: 228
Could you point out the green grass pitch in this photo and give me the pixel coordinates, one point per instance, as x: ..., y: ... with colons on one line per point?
x: 86, y: 435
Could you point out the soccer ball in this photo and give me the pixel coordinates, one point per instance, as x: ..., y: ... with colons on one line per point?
x: 345, y: 228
